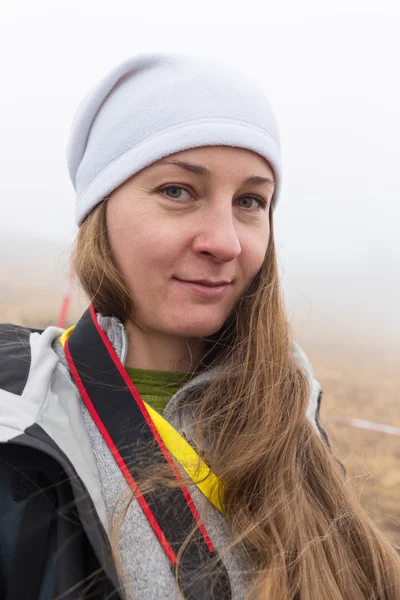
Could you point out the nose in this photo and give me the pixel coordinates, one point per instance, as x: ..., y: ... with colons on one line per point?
x: 217, y: 235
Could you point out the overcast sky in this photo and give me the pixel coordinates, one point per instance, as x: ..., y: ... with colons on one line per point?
x: 330, y: 69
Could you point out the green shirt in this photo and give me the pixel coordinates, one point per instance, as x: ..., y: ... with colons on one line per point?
x: 157, y: 387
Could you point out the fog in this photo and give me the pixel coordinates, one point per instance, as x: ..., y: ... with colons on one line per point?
x: 331, y: 74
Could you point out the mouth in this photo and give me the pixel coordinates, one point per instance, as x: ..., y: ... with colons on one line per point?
x: 205, y: 288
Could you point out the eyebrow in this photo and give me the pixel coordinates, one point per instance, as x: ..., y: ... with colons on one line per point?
x: 204, y: 172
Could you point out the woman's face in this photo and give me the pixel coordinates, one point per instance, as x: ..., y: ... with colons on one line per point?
x: 200, y: 214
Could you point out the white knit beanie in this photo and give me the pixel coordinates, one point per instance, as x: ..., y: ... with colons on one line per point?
x: 154, y: 105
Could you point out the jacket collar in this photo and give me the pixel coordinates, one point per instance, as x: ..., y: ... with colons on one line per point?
x: 180, y: 419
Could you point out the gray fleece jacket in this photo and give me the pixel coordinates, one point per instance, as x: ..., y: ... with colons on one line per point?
x: 50, y: 400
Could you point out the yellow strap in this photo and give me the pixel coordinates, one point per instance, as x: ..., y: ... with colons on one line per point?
x: 65, y: 335
x: 187, y: 457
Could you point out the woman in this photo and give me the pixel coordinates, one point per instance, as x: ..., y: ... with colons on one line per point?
x: 169, y: 444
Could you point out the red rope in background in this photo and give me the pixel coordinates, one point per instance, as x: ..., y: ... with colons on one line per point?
x: 66, y: 301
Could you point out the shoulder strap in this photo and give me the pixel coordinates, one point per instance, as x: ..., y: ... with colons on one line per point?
x: 190, y: 461
x: 129, y: 432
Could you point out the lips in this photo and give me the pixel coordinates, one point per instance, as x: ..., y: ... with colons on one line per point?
x: 204, y: 287
x: 206, y: 282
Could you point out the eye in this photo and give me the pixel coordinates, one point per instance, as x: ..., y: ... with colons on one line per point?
x: 174, y: 192
x: 261, y: 203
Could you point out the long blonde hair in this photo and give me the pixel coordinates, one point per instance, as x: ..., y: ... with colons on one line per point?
x: 285, y: 497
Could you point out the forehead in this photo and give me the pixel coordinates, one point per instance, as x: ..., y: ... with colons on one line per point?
x: 222, y: 157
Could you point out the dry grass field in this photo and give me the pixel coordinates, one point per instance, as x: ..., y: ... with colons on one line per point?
x: 358, y: 384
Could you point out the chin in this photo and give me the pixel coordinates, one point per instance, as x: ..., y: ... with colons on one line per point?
x: 201, y: 328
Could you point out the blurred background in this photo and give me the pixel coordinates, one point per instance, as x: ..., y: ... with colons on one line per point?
x: 331, y: 72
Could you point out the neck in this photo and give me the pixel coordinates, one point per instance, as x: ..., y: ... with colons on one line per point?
x: 156, y: 351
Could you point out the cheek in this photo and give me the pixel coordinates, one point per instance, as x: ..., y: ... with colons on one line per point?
x: 124, y: 237
x: 254, y: 249
x: 140, y: 243
x: 116, y: 233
